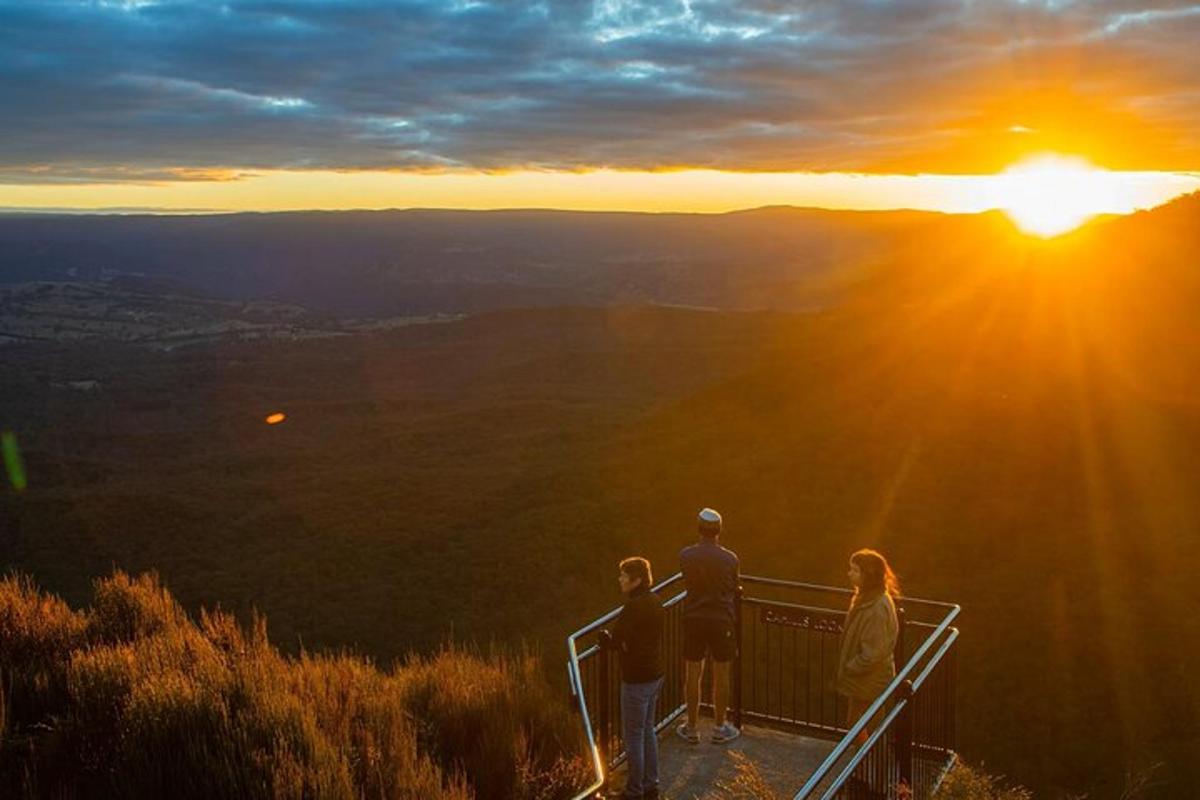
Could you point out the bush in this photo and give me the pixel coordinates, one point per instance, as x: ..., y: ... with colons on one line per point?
x: 968, y: 783
x: 495, y: 721
x: 133, y: 699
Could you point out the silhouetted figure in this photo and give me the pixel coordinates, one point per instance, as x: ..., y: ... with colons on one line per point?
x: 638, y: 637
x: 710, y: 573
x: 866, y: 662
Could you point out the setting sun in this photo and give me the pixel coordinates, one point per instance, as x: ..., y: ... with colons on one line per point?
x: 1050, y: 195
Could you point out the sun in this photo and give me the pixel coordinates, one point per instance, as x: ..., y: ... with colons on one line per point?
x: 1049, y: 195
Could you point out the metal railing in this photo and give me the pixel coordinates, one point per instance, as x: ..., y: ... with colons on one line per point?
x: 909, y: 730
x: 788, y: 634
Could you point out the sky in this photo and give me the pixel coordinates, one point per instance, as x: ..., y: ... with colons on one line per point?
x: 664, y: 105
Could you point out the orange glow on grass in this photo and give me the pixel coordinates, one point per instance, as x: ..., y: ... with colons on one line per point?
x: 276, y: 418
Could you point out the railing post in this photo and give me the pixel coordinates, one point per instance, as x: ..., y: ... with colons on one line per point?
x: 951, y: 668
x: 904, y: 738
x: 737, y: 661
x: 899, y: 653
x: 604, y: 701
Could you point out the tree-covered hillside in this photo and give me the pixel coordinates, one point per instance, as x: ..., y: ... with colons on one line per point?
x: 1014, y: 422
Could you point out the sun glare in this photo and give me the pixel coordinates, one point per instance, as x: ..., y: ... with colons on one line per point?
x: 1050, y: 195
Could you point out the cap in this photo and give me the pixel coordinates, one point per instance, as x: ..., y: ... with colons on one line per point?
x: 710, y: 521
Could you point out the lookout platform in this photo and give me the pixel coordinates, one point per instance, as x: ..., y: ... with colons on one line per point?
x: 781, y: 686
x: 708, y: 771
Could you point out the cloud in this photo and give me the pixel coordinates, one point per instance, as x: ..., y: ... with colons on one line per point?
x: 174, y: 90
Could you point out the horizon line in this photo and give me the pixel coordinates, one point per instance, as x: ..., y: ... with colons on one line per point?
x: 166, y: 211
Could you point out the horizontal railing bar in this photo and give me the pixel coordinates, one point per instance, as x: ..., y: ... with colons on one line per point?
x: 759, y: 601
x: 846, y: 772
x: 875, y: 707
x: 611, y: 615
x: 669, y: 718
x: 659, y: 728
x: 836, y: 785
x: 937, y: 657
x: 591, y: 651
x: 791, y: 723
x: 927, y: 749
x: 677, y: 598
x: 678, y: 576
x: 817, y: 587
x: 943, y: 772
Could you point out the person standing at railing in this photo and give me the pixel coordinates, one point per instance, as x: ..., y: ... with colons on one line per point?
x: 866, y: 662
x: 637, y: 635
x: 711, y: 575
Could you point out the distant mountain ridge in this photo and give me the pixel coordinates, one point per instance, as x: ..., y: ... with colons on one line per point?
x: 421, y: 261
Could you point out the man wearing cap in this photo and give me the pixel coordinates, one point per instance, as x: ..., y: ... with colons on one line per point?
x: 710, y: 573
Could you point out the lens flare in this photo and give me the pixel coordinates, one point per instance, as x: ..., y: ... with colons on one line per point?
x: 13, y: 464
x: 276, y: 418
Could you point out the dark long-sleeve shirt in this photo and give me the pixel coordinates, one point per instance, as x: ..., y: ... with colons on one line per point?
x: 710, y: 573
x: 637, y: 635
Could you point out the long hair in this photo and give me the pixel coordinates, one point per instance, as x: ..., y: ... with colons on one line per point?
x: 877, y: 575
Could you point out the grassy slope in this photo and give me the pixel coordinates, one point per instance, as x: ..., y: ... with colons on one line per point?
x: 129, y: 697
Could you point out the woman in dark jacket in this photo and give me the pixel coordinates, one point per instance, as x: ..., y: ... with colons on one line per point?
x: 637, y: 636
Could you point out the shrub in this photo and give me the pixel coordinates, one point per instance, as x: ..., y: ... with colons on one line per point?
x: 495, y: 721
x: 968, y: 783
x: 133, y: 699
x: 37, y: 635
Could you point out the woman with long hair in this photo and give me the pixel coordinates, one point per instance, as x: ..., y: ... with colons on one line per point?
x: 866, y: 663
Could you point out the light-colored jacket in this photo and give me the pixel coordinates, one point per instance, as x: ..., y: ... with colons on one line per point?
x: 866, y: 663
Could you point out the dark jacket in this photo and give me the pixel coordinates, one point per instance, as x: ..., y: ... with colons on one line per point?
x: 637, y: 635
x: 710, y: 573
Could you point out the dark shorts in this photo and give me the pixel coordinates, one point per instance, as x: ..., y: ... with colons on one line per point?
x: 708, y: 636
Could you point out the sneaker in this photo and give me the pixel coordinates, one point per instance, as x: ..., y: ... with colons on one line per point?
x: 725, y: 733
x: 687, y: 734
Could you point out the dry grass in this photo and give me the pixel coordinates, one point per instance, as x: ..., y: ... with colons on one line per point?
x: 968, y: 783
x: 131, y: 698
x: 748, y: 782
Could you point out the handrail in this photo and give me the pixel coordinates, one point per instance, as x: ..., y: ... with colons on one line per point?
x: 817, y: 587
x: 862, y: 751
x: 848, y: 770
x: 937, y: 657
x: 611, y: 615
x: 875, y: 707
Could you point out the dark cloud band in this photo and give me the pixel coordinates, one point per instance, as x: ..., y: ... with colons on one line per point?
x: 144, y: 90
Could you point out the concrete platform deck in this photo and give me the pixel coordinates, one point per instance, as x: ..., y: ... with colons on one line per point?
x: 707, y: 771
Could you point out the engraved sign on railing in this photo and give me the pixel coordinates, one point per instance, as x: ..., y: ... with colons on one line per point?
x: 799, y: 618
